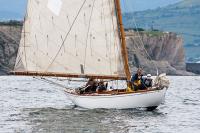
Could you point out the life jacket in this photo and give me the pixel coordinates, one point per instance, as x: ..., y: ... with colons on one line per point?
x: 137, y: 82
x: 129, y: 89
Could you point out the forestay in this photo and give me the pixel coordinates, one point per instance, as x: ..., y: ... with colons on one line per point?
x: 71, y: 36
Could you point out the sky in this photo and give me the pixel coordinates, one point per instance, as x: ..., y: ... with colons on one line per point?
x: 19, y: 6
x: 13, y: 5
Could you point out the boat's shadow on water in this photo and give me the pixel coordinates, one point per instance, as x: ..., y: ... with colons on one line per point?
x: 73, y: 119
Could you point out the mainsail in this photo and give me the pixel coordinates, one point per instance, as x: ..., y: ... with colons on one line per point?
x: 79, y: 37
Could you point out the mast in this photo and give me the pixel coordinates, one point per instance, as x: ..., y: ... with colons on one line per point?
x: 123, y: 39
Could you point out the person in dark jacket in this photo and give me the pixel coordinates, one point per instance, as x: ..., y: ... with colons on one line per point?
x: 91, y: 85
x: 102, y: 87
x: 136, y: 80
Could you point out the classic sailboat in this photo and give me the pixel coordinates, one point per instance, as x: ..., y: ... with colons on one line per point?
x: 83, y: 39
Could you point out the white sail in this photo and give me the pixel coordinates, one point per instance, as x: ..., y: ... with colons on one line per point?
x: 71, y: 36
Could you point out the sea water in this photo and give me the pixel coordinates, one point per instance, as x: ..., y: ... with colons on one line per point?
x: 29, y: 105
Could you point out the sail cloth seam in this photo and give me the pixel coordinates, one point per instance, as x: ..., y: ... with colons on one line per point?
x: 88, y: 34
x: 51, y: 82
x: 67, y: 34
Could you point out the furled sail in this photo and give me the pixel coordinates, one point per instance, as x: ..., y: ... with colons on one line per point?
x: 71, y: 36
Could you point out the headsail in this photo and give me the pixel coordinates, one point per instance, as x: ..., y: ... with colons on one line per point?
x: 78, y: 37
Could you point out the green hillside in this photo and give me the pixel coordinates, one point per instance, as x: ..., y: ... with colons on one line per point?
x: 182, y: 18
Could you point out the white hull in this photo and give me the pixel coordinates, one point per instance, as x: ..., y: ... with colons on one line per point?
x: 123, y: 101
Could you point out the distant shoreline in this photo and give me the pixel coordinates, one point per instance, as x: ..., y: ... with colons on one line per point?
x: 11, y: 23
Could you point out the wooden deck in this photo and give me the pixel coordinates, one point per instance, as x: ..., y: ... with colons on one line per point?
x: 114, y: 92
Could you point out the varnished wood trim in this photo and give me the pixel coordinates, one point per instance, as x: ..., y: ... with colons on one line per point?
x: 53, y: 74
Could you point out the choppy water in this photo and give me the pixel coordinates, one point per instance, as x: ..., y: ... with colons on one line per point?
x: 28, y: 105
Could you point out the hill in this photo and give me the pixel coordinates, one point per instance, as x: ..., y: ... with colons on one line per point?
x: 182, y: 18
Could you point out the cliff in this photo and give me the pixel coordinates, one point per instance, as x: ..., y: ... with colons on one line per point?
x: 9, y: 42
x: 151, y: 49
x: 165, y: 49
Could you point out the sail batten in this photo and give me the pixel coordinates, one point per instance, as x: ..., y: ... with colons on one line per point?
x: 65, y: 36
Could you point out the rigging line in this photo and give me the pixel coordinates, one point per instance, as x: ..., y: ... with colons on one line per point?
x: 67, y: 34
x: 144, y: 47
x: 51, y: 82
x: 18, y: 60
x: 88, y: 34
x: 134, y: 21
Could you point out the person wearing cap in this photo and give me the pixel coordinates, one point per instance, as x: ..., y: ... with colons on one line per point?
x: 148, y: 81
x: 102, y: 87
x: 91, y: 85
x: 136, y: 80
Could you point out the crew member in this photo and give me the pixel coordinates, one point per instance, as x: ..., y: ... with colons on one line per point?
x: 148, y: 81
x: 136, y: 80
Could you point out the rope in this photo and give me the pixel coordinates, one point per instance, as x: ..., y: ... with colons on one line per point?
x: 140, y: 39
x: 67, y: 34
x: 51, y: 82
